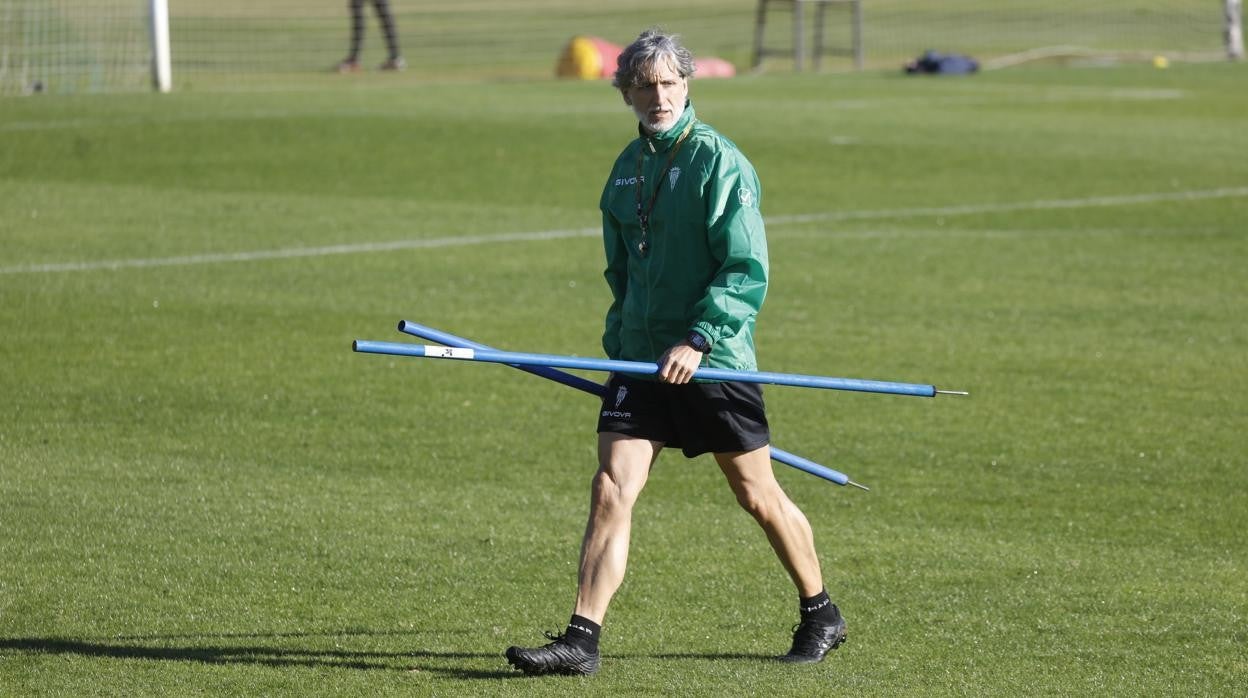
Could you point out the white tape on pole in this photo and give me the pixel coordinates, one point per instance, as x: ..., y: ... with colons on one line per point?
x: 440, y: 352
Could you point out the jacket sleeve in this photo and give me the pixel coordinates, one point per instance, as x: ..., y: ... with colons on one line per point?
x: 738, y: 241
x: 616, y: 274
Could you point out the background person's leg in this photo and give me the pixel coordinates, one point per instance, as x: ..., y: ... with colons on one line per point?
x: 351, y: 64
x: 391, y: 34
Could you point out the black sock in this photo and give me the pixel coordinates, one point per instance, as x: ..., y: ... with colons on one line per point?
x: 819, y: 608
x: 583, y: 633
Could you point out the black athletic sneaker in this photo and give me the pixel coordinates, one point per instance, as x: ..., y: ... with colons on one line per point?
x: 813, y: 640
x: 558, y: 657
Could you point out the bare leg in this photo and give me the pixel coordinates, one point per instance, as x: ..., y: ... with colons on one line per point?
x: 754, y: 483
x: 624, y: 466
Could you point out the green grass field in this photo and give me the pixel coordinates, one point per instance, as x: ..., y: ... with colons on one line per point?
x: 204, y: 491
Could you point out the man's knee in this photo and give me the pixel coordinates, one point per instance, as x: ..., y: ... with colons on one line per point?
x: 623, y: 468
x: 613, y: 490
x: 762, y: 500
x: 752, y: 502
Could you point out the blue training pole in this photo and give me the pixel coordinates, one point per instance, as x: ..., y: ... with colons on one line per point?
x: 780, y: 455
x: 450, y: 340
x: 643, y: 368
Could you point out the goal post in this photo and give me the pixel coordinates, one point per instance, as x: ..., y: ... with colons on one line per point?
x: 84, y: 46
x: 1235, y: 29
x: 162, y: 58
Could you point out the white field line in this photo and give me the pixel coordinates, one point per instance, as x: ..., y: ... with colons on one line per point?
x: 466, y: 240
x: 1041, y: 205
x: 295, y: 252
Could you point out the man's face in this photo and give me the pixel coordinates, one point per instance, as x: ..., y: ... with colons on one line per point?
x: 659, y: 100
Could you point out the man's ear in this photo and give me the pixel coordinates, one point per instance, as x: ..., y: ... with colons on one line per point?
x: 627, y: 101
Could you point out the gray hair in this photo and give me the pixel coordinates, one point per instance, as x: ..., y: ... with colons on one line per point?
x: 637, y: 61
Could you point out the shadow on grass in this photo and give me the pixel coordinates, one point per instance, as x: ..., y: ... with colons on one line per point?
x: 278, y: 657
x: 129, y: 647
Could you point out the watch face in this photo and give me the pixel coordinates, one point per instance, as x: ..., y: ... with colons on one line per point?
x: 698, y: 342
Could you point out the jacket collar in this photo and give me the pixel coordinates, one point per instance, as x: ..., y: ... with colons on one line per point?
x: 661, y: 141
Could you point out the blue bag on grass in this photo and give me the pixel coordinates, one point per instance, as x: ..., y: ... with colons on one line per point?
x: 933, y: 63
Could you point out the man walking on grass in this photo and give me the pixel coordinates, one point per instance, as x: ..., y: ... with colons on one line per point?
x: 686, y: 261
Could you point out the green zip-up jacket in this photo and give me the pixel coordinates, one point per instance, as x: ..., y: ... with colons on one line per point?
x: 705, y: 268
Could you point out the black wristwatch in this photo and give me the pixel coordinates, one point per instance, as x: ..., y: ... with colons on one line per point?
x: 697, y: 341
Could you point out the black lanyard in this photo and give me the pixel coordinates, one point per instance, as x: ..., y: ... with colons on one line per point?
x: 643, y: 215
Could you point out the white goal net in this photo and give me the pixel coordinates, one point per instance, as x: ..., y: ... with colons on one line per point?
x: 63, y: 46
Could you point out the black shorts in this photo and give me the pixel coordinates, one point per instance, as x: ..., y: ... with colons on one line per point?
x: 697, y: 418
